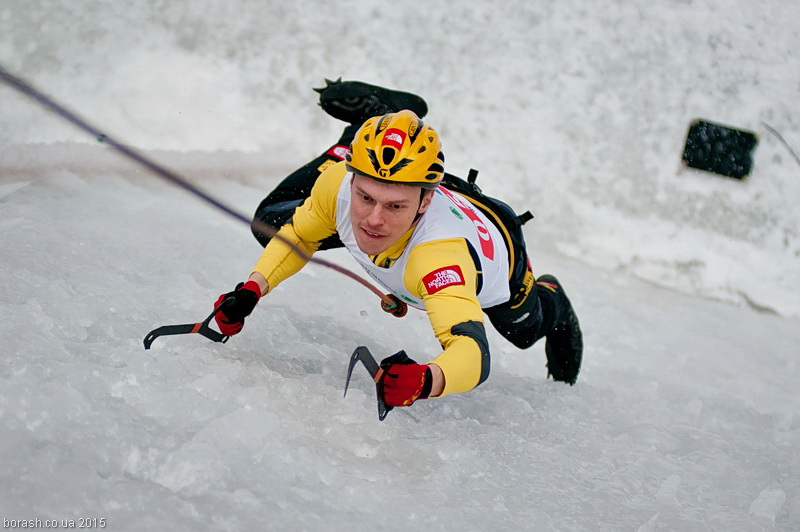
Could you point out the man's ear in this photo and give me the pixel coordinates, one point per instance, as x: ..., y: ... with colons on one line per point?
x: 425, y: 201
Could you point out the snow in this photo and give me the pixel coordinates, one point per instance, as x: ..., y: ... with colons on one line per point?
x: 685, y: 416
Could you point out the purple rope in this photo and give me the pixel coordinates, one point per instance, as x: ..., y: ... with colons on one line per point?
x: 47, y: 102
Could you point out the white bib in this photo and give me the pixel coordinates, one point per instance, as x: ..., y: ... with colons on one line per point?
x: 448, y: 216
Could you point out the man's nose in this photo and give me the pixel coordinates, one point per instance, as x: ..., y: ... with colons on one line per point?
x: 375, y: 216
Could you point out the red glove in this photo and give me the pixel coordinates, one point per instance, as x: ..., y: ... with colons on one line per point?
x: 236, y: 306
x: 404, y: 381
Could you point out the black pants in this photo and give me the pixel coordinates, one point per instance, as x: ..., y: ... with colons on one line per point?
x: 525, y: 322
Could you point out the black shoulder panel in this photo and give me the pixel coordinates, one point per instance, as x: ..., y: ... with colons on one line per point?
x: 476, y: 331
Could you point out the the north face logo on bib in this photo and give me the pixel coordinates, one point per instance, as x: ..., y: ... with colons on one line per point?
x: 442, y: 278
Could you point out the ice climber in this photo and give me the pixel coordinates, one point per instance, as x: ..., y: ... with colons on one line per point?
x: 433, y: 239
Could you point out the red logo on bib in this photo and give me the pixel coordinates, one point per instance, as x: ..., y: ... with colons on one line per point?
x: 487, y: 246
x: 442, y: 278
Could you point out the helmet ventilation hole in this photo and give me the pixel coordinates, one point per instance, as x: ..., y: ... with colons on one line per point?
x: 388, y: 154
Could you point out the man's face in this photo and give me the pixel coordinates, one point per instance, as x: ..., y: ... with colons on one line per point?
x: 381, y: 213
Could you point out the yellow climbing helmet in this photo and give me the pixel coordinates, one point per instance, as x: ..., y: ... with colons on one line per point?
x: 397, y: 148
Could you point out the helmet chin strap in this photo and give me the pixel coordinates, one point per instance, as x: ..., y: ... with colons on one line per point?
x: 421, y: 197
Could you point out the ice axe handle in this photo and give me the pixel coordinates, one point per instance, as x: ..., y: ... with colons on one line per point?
x: 375, y: 371
x: 189, y: 328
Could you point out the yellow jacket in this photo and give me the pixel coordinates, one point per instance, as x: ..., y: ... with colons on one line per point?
x: 454, y: 311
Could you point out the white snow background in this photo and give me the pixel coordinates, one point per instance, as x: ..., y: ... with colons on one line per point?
x: 687, y: 284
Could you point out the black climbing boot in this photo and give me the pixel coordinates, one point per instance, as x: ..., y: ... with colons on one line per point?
x: 355, y: 102
x: 564, y: 347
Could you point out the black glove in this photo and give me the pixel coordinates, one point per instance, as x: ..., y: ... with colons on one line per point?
x: 236, y: 306
x: 404, y: 381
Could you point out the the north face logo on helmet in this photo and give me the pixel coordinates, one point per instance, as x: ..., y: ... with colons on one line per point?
x: 395, y: 138
x: 442, y: 278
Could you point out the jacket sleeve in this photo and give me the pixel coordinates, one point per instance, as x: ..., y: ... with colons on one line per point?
x: 453, y: 310
x: 312, y: 222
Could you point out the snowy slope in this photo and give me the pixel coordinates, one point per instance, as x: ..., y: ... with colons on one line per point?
x: 685, y: 416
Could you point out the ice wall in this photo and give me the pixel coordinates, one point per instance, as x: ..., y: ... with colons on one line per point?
x: 575, y: 110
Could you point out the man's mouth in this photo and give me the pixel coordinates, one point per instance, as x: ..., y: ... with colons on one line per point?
x: 371, y: 234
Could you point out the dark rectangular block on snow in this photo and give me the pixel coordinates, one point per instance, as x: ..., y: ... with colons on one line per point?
x: 719, y: 149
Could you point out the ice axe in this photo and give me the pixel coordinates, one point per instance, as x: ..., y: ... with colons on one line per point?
x: 201, y: 328
x: 375, y: 371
